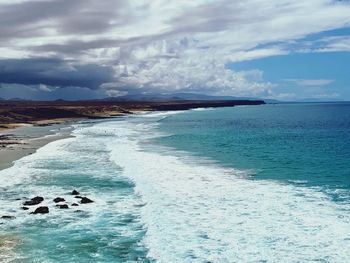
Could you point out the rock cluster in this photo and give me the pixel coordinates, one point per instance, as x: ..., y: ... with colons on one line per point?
x: 60, y: 203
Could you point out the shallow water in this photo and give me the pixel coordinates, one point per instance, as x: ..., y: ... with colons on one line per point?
x: 108, y: 230
x: 159, y: 199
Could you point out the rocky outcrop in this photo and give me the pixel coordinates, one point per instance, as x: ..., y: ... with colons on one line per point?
x: 45, y: 209
x: 75, y: 192
x: 86, y: 200
x: 34, y: 201
x: 41, y: 210
x: 59, y: 199
x: 64, y: 206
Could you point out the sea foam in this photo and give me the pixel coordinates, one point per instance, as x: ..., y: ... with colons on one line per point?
x: 198, y: 212
x: 193, y: 210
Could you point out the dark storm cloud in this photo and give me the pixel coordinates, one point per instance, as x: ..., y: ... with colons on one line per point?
x: 28, y: 19
x: 80, y: 46
x: 22, y: 19
x: 53, y: 72
x: 70, y: 19
x: 83, y: 17
x: 75, y: 47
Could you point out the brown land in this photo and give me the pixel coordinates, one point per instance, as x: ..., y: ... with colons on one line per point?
x: 15, y: 115
x: 21, y: 113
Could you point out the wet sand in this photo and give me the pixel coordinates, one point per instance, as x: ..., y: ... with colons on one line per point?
x: 20, y: 142
x: 7, y: 244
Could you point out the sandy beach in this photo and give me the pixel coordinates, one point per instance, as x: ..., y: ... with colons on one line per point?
x: 25, y: 140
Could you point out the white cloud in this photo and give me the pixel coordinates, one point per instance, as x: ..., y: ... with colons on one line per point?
x: 46, y: 88
x: 284, y: 96
x: 163, y: 45
x: 333, y: 95
x: 334, y: 44
x: 188, y: 75
x: 311, y: 82
x: 340, y: 43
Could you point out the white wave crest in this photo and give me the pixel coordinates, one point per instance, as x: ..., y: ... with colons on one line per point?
x: 197, y: 212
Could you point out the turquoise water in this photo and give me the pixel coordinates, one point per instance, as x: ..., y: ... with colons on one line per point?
x: 106, y: 231
x: 306, y: 144
x: 246, y: 184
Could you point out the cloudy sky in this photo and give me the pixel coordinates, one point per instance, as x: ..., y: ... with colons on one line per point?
x: 81, y: 49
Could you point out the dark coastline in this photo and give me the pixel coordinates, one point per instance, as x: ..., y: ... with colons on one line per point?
x: 46, y: 112
x: 21, y: 116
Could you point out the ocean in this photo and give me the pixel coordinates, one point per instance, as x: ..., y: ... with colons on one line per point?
x: 268, y: 183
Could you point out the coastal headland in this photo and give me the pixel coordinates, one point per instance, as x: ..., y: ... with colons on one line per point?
x: 23, y: 113
x: 26, y: 126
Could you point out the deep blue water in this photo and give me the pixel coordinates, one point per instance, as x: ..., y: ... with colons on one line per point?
x: 307, y: 144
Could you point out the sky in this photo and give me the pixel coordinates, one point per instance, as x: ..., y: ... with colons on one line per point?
x: 86, y: 49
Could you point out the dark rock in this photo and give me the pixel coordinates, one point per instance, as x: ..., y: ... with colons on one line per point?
x: 58, y: 199
x: 25, y: 208
x: 38, y: 198
x: 78, y: 196
x: 74, y: 204
x: 31, y: 203
x: 86, y: 200
x: 8, y: 217
x: 34, y: 201
x: 41, y: 210
x: 75, y: 192
x: 64, y: 206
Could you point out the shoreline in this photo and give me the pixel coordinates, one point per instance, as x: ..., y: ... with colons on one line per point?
x: 16, y: 141
x: 19, y: 142
x: 27, y: 126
